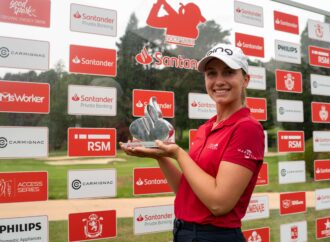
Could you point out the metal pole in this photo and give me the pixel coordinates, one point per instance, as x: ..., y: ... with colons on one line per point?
x: 303, y: 6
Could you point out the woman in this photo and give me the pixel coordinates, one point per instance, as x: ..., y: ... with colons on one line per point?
x: 216, y: 179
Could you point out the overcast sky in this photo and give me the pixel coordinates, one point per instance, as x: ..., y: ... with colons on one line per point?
x: 60, y: 36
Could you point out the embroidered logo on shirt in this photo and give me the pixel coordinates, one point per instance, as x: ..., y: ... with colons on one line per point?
x: 247, y: 153
x: 212, y: 146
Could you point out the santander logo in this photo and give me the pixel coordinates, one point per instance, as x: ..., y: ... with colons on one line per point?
x: 23, y: 98
x: 77, y: 15
x: 143, y: 57
x: 75, y: 98
x: 140, y: 218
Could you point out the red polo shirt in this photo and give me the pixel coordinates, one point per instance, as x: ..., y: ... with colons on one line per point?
x: 239, y: 139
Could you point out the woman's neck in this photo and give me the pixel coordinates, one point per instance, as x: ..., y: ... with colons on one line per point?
x: 224, y: 113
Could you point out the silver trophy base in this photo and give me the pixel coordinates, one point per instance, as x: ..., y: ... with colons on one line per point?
x: 146, y: 144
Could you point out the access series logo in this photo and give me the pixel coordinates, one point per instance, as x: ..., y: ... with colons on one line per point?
x: 161, y: 60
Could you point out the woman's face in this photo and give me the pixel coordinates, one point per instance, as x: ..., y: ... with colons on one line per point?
x: 223, y: 84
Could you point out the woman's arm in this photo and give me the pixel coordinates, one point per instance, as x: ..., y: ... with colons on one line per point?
x: 171, y: 172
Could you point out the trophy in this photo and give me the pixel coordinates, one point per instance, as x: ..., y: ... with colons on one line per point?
x: 151, y: 127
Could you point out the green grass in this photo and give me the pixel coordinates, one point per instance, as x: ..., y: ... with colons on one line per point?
x: 125, y: 228
x: 58, y: 175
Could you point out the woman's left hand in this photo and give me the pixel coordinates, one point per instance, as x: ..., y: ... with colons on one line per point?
x: 163, y: 150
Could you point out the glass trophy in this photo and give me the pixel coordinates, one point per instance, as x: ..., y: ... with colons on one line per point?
x: 151, y: 127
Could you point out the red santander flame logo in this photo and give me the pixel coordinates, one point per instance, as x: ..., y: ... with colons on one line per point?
x: 75, y: 98
x: 77, y: 15
x: 143, y: 57
x: 140, y: 218
x: 194, y: 104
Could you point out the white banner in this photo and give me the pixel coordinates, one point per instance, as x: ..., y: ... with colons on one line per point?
x: 294, y: 232
x: 23, y: 142
x: 320, y: 85
x: 92, y: 183
x: 200, y: 106
x: 24, y: 229
x: 318, y: 30
x: 24, y: 53
x: 291, y: 172
x: 266, y: 141
x: 257, y: 78
x: 153, y: 219
x: 289, y: 111
x: 321, y: 141
x: 248, y: 14
x: 258, y: 208
x: 93, y: 20
x: 287, y: 52
x: 92, y: 100
x: 322, y: 199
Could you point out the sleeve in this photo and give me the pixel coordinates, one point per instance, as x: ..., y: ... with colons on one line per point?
x: 246, y: 146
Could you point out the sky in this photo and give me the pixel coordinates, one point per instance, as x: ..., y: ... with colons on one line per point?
x: 60, y: 37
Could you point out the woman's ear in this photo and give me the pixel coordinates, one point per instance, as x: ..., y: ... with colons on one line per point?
x: 246, y: 80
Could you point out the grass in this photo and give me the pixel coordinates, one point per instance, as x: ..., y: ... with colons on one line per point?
x: 125, y: 228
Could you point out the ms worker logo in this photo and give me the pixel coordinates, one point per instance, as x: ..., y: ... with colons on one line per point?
x: 92, y: 100
x: 24, y: 97
x: 91, y: 142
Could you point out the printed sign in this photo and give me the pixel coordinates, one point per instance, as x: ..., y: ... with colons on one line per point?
x: 153, y: 219
x: 159, y: 59
x: 318, y: 30
x: 294, y: 232
x: 93, y: 20
x: 165, y: 101
x: 150, y: 181
x: 251, y: 45
x: 23, y: 186
x: 321, y: 141
x: 248, y: 14
x: 181, y: 25
x: 263, y: 175
x: 192, y: 136
x: 92, y: 100
x: 288, y: 81
x: 291, y: 172
x: 319, y: 56
x: 292, y: 202
x: 322, y: 226
x: 92, y: 225
x: 258, y: 107
x: 258, y: 208
x: 91, y: 142
x: 291, y: 141
x: 322, y: 170
x: 286, y: 22
x: 23, y: 142
x: 92, y: 60
x: 287, y: 52
x: 28, y: 12
x: 24, y: 97
x: 322, y: 199
x: 92, y: 183
x: 257, y: 78
x: 320, y: 85
x: 24, y: 53
x: 289, y: 111
x: 257, y: 235
x: 200, y: 106
x: 34, y: 228
x: 320, y: 112
x: 266, y: 141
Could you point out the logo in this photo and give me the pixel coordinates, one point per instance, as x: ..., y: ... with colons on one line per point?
x: 91, y: 142
x: 179, y: 62
x: 221, y: 50
x: 200, y: 106
x: 294, y: 232
x: 323, y: 227
x: 287, y: 52
x: 257, y: 78
x: 181, y: 26
x: 323, y: 113
x: 258, y: 107
x: 292, y: 203
x: 250, y: 45
x: 288, y: 81
x: 3, y: 142
x: 289, y: 111
x: 318, y: 30
x: 22, y: 8
x: 290, y: 141
x: 93, y: 226
x: 319, y: 56
x: 4, y: 52
x: 322, y: 199
x: 248, y: 14
x: 76, y: 184
x: 320, y: 112
x: 77, y: 15
x: 257, y: 208
x: 321, y: 141
x: 286, y: 22
x: 6, y: 188
x: 321, y: 170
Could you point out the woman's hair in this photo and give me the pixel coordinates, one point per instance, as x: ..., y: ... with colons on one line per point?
x: 243, y: 96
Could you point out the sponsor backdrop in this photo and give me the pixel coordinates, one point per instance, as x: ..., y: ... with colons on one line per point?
x: 77, y: 74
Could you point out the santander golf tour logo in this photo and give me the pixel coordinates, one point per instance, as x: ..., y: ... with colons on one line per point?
x: 181, y: 26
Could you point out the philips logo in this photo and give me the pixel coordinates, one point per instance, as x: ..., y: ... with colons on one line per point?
x: 287, y: 48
